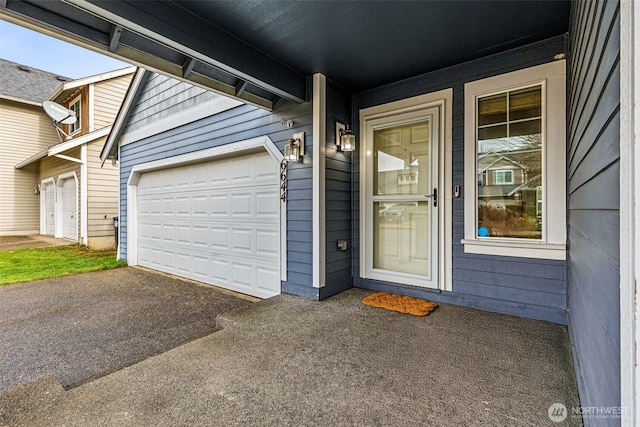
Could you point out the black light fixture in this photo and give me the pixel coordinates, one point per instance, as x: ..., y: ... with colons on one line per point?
x: 347, y: 140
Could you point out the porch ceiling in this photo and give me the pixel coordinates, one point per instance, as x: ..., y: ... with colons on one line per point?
x: 262, y: 51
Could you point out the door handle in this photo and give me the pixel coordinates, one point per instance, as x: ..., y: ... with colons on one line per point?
x: 434, y: 196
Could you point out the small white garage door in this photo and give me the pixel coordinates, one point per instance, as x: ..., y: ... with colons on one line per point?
x: 50, y: 208
x: 216, y: 222
x: 69, y: 209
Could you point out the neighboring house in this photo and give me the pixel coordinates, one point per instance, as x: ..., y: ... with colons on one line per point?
x: 79, y: 196
x: 428, y: 88
x: 24, y: 129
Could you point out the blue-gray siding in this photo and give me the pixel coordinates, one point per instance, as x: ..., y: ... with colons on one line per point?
x: 519, y: 286
x: 337, y: 196
x: 593, y: 192
x: 234, y: 125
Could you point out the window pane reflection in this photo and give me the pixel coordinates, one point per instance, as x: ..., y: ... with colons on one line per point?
x: 401, y: 160
x: 509, y: 165
x: 401, y: 236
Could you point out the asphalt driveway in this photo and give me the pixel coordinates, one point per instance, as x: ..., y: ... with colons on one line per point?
x: 82, y: 327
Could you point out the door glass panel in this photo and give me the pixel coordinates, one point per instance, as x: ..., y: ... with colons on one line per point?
x: 401, y: 162
x: 401, y: 236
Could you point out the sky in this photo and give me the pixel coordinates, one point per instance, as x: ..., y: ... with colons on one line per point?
x: 26, y: 47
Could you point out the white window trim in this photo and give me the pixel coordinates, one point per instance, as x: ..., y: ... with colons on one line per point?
x: 551, y: 77
x: 209, y: 154
x: 77, y: 99
x: 444, y: 100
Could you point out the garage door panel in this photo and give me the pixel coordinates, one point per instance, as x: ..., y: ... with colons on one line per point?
x: 217, y: 222
x: 169, y: 260
x: 267, y: 243
x: 241, y: 241
x: 168, y: 233
x: 241, y: 204
x: 220, y: 270
x: 219, y: 238
x: 200, y: 236
x: 266, y: 206
x: 242, y: 275
x: 266, y: 275
x: 183, y: 261
x: 155, y: 232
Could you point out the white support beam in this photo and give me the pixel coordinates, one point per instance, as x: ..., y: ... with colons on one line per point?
x: 319, y: 140
x: 629, y: 213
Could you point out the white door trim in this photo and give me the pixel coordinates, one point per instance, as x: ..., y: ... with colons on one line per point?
x: 443, y: 100
x: 233, y: 149
x: 59, y: 203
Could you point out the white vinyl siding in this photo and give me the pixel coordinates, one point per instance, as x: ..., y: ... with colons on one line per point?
x: 107, y: 98
x: 102, y: 192
x: 24, y: 131
x: 216, y: 222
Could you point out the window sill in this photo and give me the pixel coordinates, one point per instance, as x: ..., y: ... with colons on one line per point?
x: 515, y: 249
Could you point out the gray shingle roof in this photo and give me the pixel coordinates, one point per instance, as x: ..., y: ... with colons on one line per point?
x: 27, y: 83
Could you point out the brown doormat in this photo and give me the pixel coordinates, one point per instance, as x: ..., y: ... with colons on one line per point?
x: 400, y: 303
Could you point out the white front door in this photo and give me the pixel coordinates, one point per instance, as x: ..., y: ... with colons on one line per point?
x: 69, y: 210
x: 50, y: 209
x: 402, y: 198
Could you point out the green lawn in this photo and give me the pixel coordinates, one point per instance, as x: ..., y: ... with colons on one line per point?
x: 25, y: 265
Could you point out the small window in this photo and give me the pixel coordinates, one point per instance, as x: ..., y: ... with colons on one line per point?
x: 515, y: 145
x: 76, y: 107
x: 503, y: 177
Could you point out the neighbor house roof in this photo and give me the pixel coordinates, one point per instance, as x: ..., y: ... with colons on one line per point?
x: 27, y: 84
x: 69, y: 88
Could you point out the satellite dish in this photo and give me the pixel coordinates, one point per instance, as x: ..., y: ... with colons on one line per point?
x: 58, y: 113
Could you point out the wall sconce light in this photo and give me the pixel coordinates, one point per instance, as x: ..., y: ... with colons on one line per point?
x: 36, y: 189
x: 294, y: 149
x: 345, y: 139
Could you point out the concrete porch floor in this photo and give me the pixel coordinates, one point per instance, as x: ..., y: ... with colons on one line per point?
x: 291, y: 361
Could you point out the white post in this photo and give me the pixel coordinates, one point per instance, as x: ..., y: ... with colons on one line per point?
x: 629, y: 213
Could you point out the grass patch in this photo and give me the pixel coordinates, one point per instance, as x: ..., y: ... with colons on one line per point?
x: 26, y: 265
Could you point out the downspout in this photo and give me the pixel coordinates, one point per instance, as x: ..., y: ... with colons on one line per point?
x: 84, y: 192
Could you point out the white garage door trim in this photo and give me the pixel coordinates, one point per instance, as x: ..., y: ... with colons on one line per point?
x: 60, y: 214
x: 214, y: 153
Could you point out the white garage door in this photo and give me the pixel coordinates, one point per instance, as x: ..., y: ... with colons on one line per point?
x: 50, y: 209
x: 69, y: 210
x: 216, y: 222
